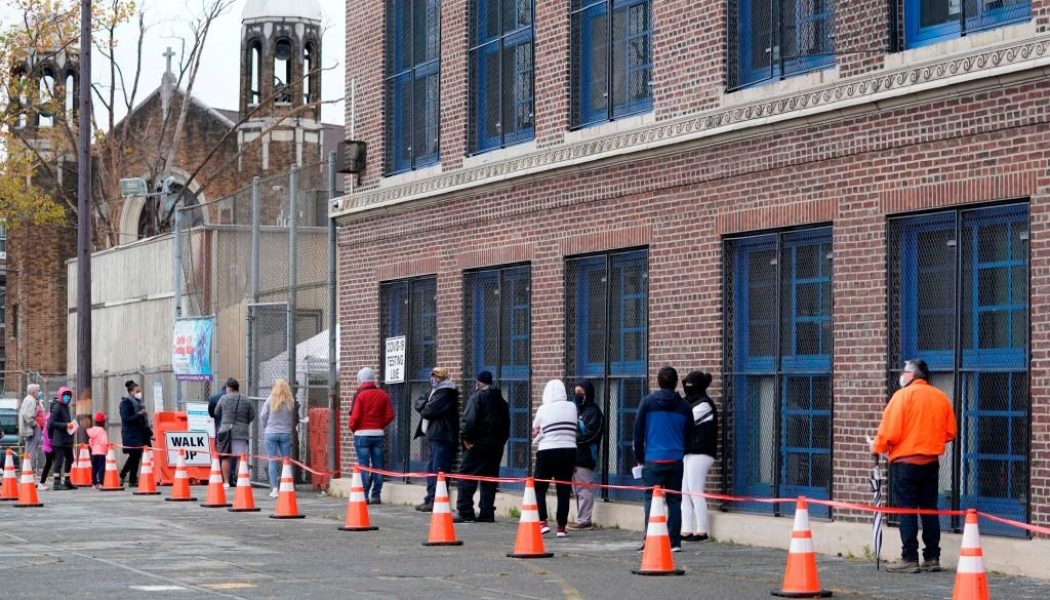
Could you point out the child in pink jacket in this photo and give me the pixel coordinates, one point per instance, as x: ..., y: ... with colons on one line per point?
x: 98, y: 441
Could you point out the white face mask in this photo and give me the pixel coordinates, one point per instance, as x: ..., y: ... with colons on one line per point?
x: 138, y: 395
x: 902, y: 381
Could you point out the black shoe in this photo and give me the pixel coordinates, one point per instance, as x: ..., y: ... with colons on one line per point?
x: 68, y: 485
x: 932, y: 566
x: 424, y: 507
x: 464, y: 519
x: 688, y: 538
x: 695, y: 537
x: 123, y: 478
x: 488, y: 519
x: 375, y: 501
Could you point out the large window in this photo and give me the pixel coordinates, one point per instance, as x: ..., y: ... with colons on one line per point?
x: 607, y: 343
x: 502, y: 76
x: 959, y: 300
x: 929, y: 21
x: 611, y: 59
x: 778, y: 365
x: 409, y: 308
x: 496, y: 338
x: 412, y: 83
x: 773, y: 39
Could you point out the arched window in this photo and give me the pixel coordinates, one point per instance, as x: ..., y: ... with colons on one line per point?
x: 158, y: 211
x: 254, y: 72
x: 310, y: 78
x: 71, y: 99
x: 282, y: 70
x: 46, y: 99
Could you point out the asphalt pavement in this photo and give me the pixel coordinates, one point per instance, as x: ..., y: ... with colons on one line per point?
x: 115, y: 546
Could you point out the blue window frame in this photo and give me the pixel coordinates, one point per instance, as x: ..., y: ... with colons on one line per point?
x: 497, y: 306
x: 501, y: 59
x: 409, y: 308
x: 931, y: 21
x: 611, y: 60
x: 778, y: 379
x: 774, y: 39
x: 413, y: 48
x: 959, y: 300
x: 607, y: 331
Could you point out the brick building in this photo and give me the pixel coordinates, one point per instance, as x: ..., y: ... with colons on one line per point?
x: 795, y: 199
x: 276, y: 126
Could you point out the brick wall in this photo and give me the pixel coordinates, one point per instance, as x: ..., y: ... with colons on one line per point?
x: 976, y: 146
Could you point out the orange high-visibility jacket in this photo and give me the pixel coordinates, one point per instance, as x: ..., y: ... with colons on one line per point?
x: 918, y: 421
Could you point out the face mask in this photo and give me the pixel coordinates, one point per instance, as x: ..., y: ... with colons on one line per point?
x: 433, y: 382
x: 581, y: 397
x: 902, y: 381
x: 138, y: 395
x: 40, y: 395
x: 66, y: 398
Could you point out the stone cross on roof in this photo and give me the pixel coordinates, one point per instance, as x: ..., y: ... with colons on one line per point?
x: 169, y: 54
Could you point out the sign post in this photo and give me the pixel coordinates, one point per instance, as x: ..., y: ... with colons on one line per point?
x: 394, y: 371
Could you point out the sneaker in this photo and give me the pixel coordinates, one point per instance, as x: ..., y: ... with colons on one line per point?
x: 904, y: 566
x: 676, y: 548
x: 424, y: 507
x: 696, y: 537
x: 545, y: 528
x: 688, y: 537
x: 68, y: 485
x: 580, y: 526
x: 225, y: 486
x: 41, y: 486
x: 932, y: 566
x: 375, y: 501
x: 562, y: 533
x: 464, y: 519
x: 274, y: 493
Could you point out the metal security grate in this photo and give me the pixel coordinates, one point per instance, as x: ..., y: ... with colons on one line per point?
x: 958, y: 298
x: 778, y: 366
x: 412, y: 83
x: 929, y: 21
x: 770, y: 39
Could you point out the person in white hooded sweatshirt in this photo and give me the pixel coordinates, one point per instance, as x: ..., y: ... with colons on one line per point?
x: 554, y: 431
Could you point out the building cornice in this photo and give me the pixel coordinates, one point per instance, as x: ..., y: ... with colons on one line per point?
x: 816, y: 103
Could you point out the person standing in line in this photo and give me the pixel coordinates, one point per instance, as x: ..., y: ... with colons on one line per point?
x: 701, y: 449
x: 486, y: 427
x: 554, y: 431
x: 916, y: 425
x: 370, y: 414
x: 590, y: 426
x: 135, y: 432
x: 98, y: 441
x: 236, y: 414
x: 213, y: 401
x: 278, y: 417
x: 439, y: 423
x: 663, y: 424
x: 61, y: 428
x: 30, y: 422
x: 49, y: 451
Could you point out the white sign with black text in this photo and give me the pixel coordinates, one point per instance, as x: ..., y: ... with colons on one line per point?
x: 195, y: 443
x: 395, y: 360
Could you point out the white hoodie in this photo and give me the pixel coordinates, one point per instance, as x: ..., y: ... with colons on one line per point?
x: 556, y: 419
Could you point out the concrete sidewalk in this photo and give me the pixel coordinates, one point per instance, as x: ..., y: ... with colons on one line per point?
x: 86, y: 544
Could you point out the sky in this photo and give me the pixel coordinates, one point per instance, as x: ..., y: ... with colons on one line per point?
x: 218, y: 79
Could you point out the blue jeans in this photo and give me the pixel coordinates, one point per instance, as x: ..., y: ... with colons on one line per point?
x: 442, y: 454
x: 277, y: 444
x: 669, y: 477
x: 915, y: 486
x: 369, y: 450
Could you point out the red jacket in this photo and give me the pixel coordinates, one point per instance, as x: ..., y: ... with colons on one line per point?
x: 372, y: 410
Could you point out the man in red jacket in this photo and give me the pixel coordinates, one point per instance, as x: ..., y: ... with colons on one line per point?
x: 369, y: 416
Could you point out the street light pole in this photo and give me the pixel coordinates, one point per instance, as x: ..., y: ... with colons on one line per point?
x: 84, y: 215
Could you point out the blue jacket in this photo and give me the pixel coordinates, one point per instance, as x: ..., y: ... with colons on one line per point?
x: 664, y: 423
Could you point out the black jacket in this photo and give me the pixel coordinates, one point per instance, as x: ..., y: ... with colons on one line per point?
x: 134, y: 427
x: 56, y: 427
x: 441, y: 410
x: 486, y: 419
x: 704, y: 436
x: 213, y: 401
x: 591, y: 425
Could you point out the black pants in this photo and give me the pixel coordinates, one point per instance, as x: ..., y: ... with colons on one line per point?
x: 49, y: 458
x: 63, y: 462
x: 131, y: 466
x: 915, y: 486
x: 483, y: 462
x: 98, y: 469
x: 555, y: 464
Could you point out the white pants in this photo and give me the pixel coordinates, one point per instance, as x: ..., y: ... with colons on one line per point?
x: 694, y: 508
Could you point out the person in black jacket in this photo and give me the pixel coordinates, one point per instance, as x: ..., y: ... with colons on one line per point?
x: 58, y: 429
x: 486, y: 427
x: 440, y: 425
x: 591, y: 424
x: 701, y: 449
x: 135, y: 432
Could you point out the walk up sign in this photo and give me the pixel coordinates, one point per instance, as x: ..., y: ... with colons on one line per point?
x: 195, y: 443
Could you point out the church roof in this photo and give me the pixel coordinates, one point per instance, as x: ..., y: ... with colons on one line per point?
x: 278, y: 9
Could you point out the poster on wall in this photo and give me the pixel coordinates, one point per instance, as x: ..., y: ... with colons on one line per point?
x: 395, y: 360
x: 191, y: 348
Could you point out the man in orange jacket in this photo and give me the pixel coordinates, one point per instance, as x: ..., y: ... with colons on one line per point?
x: 916, y: 425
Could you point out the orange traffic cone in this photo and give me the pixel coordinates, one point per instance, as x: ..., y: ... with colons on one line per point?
x: 216, y: 493
x: 147, y: 483
x: 529, y: 543
x: 9, y: 488
x: 27, y: 486
x: 243, y: 499
x: 656, y: 557
x: 971, y: 581
x: 80, y: 475
x: 442, y: 532
x: 287, y: 507
x: 112, y: 481
x: 800, y: 575
x: 356, y: 507
x: 180, y: 488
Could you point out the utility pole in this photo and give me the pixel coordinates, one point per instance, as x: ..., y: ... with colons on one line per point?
x: 84, y: 216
